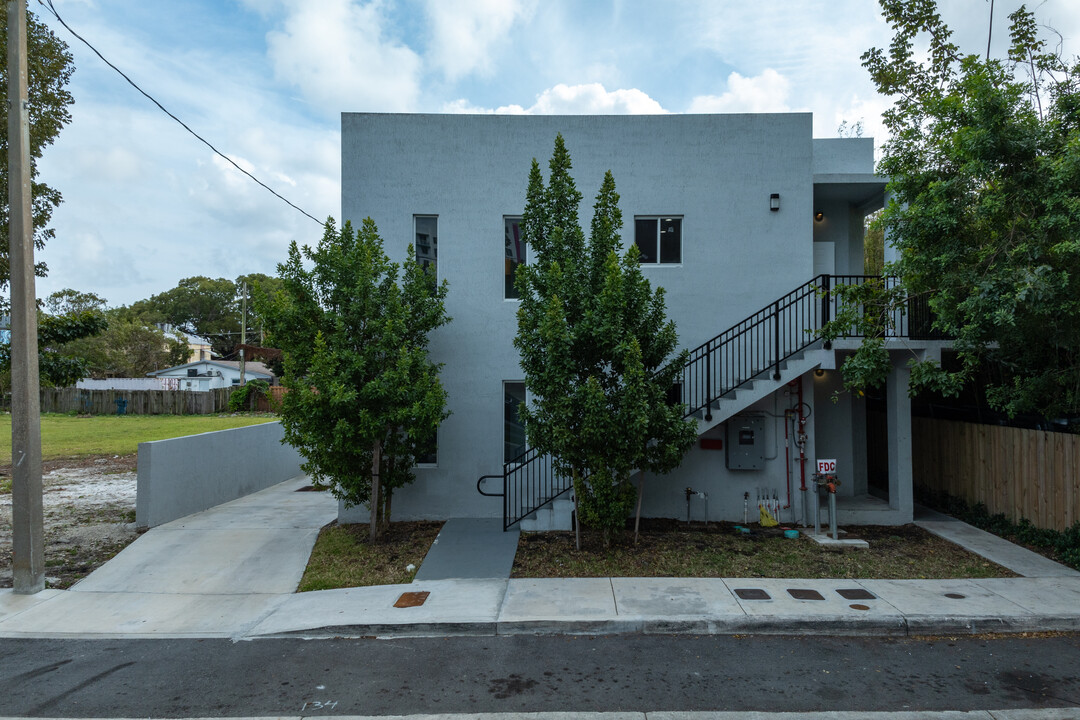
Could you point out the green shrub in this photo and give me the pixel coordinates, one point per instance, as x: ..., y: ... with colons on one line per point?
x: 243, y: 396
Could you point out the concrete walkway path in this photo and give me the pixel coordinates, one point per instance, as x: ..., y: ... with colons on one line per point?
x: 1018, y: 559
x: 211, y: 574
x: 470, y: 548
x: 232, y: 572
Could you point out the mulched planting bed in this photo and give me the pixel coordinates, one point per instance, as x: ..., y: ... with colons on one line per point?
x: 345, y: 557
x: 670, y: 548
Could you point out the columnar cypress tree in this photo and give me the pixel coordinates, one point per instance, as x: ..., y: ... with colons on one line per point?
x: 593, y: 337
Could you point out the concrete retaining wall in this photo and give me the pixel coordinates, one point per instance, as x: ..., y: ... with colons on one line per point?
x: 185, y: 475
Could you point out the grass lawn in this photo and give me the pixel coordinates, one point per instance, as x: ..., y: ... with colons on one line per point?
x: 667, y: 548
x: 343, y: 556
x: 70, y: 436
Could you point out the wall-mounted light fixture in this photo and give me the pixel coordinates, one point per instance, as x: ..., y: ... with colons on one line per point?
x: 819, y: 373
x: 819, y: 216
x: 774, y: 202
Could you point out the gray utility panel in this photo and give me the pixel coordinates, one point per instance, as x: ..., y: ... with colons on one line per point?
x: 746, y: 442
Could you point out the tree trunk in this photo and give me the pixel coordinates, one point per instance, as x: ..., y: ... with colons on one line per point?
x: 388, y: 493
x: 577, y: 515
x: 374, y: 503
x: 640, y: 493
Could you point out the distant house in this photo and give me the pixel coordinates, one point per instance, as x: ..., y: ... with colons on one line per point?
x: 205, y: 375
x: 199, y: 347
x: 125, y: 383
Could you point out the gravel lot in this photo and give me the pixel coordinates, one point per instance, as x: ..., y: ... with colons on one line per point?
x: 89, y: 507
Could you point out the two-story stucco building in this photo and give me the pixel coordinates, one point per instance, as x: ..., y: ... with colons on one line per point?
x: 735, y: 216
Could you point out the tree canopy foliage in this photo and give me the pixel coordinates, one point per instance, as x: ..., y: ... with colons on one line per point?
x: 49, y: 68
x: 594, y: 339
x: 80, y: 336
x: 58, y: 366
x: 984, y: 167
x: 209, y: 308
x: 354, y: 332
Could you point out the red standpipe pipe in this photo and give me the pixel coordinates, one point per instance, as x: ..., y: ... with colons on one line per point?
x: 787, y: 459
x: 802, y: 432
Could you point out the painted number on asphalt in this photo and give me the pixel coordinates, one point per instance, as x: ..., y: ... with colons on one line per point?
x: 319, y: 705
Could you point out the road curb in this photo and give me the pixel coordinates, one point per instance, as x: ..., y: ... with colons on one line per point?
x: 838, y: 626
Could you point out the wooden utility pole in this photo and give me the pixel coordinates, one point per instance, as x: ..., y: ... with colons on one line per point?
x: 28, y: 520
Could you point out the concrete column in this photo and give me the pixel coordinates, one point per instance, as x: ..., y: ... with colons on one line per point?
x: 891, y: 253
x: 859, y: 474
x: 899, y: 428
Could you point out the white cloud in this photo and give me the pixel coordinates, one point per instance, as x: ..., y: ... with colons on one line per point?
x: 466, y: 32
x: 337, y: 54
x: 767, y: 92
x: 587, y: 99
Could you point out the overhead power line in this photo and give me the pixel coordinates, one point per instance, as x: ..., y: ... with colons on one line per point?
x: 48, y: 5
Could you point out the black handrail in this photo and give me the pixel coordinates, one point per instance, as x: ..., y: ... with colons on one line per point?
x: 714, y: 370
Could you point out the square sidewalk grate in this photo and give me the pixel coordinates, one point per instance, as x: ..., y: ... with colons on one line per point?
x: 803, y: 594
x: 752, y: 594
x: 856, y: 594
x: 411, y: 599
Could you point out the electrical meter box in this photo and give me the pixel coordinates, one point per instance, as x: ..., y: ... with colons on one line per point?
x: 746, y: 443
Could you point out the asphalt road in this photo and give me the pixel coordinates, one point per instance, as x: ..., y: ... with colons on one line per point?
x: 198, y: 678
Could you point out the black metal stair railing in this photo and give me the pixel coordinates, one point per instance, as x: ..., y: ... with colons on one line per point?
x: 752, y: 349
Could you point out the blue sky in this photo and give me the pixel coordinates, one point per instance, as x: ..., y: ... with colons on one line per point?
x: 265, y: 81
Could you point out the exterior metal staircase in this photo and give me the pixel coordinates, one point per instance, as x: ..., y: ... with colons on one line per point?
x: 722, y: 376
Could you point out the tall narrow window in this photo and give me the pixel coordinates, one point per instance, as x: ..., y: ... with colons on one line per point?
x: 659, y: 239
x: 427, y: 242
x: 513, y: 427
x: 515, y: 253
x: 428, y: 454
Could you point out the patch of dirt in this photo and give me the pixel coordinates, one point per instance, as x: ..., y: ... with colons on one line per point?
x: 89, y: 508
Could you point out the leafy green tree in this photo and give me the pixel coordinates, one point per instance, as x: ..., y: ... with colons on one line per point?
x: 49, y: 69
x: 984, y: 168
x: 56, y: 367
x: 200, y: 306
x: 594, y: 338
x: 128, y: 347
x: 210, y: 308
x: 68, y: 300
x: 364, y: 399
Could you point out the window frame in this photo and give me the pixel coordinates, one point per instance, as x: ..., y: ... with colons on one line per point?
x: 434, y: 243
x: 525, y: 255
x: 525, y: 443
x: 658, y: 248
x: 425, y: 465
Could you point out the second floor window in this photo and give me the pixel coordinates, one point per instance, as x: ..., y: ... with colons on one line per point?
x: 427, y: 242
x: 659, y: 239
x: 515, y: 254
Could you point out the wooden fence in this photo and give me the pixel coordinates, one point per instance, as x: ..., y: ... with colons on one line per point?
x: 139, y: 402
x: 273, y: 402
x: 1021, y: 473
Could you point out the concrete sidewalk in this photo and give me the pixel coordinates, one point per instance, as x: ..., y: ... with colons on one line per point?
x: 232, y: 572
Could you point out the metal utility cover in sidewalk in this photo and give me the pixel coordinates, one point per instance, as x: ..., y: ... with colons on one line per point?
x: 470, y: 548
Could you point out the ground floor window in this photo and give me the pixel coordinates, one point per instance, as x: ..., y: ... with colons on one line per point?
x: 513, y: 427
x: 429, y: 454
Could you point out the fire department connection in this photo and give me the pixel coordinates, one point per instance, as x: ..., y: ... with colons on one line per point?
x: 745, y: 437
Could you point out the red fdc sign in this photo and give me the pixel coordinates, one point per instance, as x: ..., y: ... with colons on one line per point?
x: 826, y: 467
